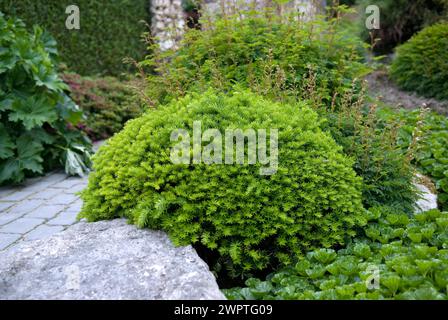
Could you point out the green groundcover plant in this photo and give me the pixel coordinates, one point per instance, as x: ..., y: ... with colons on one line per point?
x: 251, y: 221
x: 396, y: 257
x: 107, y: 103
x: 421, y: 64
x: 36, y: 116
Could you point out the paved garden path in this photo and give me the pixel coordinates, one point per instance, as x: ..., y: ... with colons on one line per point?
x: 39, y: 208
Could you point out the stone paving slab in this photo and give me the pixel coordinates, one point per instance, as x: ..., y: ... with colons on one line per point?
x: 46, y: 211
x: 7, y: 218
x: 66, y: 218
x: 21, y: 225
x: 43, y: 231
x: 39, y: 207
x: 6, y: 205
x: 26, y: 206
x: 7, y: 239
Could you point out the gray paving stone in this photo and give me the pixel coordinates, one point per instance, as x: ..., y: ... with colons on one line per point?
x: 5, y: 205
x: 75, y: 206
x: 76, y: 188
x: 6, y: 218
x: 42, y: 232
x: 64, y: 198
x: 45, y: 182
x: 21, y: 225
x: 6, y: 239
x: 46, y: 194
x: 68, y: 183
x: 18, y: 195
x: 47, y: 211
x: 26, y: 206
x: 55, y: 177
x: 65, y: 218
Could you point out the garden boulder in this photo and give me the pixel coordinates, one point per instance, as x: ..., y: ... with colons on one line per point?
x: 105, y: 260
x: 428, y: 198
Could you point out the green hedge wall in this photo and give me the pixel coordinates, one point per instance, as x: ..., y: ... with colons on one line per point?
x: 110, y: 31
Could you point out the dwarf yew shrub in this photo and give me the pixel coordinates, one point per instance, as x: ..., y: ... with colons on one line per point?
x: 251, y: 221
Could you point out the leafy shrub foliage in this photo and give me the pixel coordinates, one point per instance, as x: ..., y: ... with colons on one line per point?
x: 421, y: 63
x: 37, y: 117
x: 107, y: 103
x: 386, y: 170
x: 268, y: 54
x: 401, y: 19
x: 410, y: 255
x: 427, y: 133
x: 232, y: 210
x: 110, y: 30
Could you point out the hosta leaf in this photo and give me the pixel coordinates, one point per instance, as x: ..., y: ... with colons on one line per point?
x: 33, y: 112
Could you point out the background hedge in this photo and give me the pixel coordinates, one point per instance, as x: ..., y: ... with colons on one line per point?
x: 401, y: 19
x: 110, y: 31
x: 421, y: 63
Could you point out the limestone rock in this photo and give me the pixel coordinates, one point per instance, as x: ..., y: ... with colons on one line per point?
x: 427, y: 201
x: 105, y: 260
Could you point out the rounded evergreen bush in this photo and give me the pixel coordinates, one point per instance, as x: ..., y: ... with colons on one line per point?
x: 421, y: 64
x: 251, y: 221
